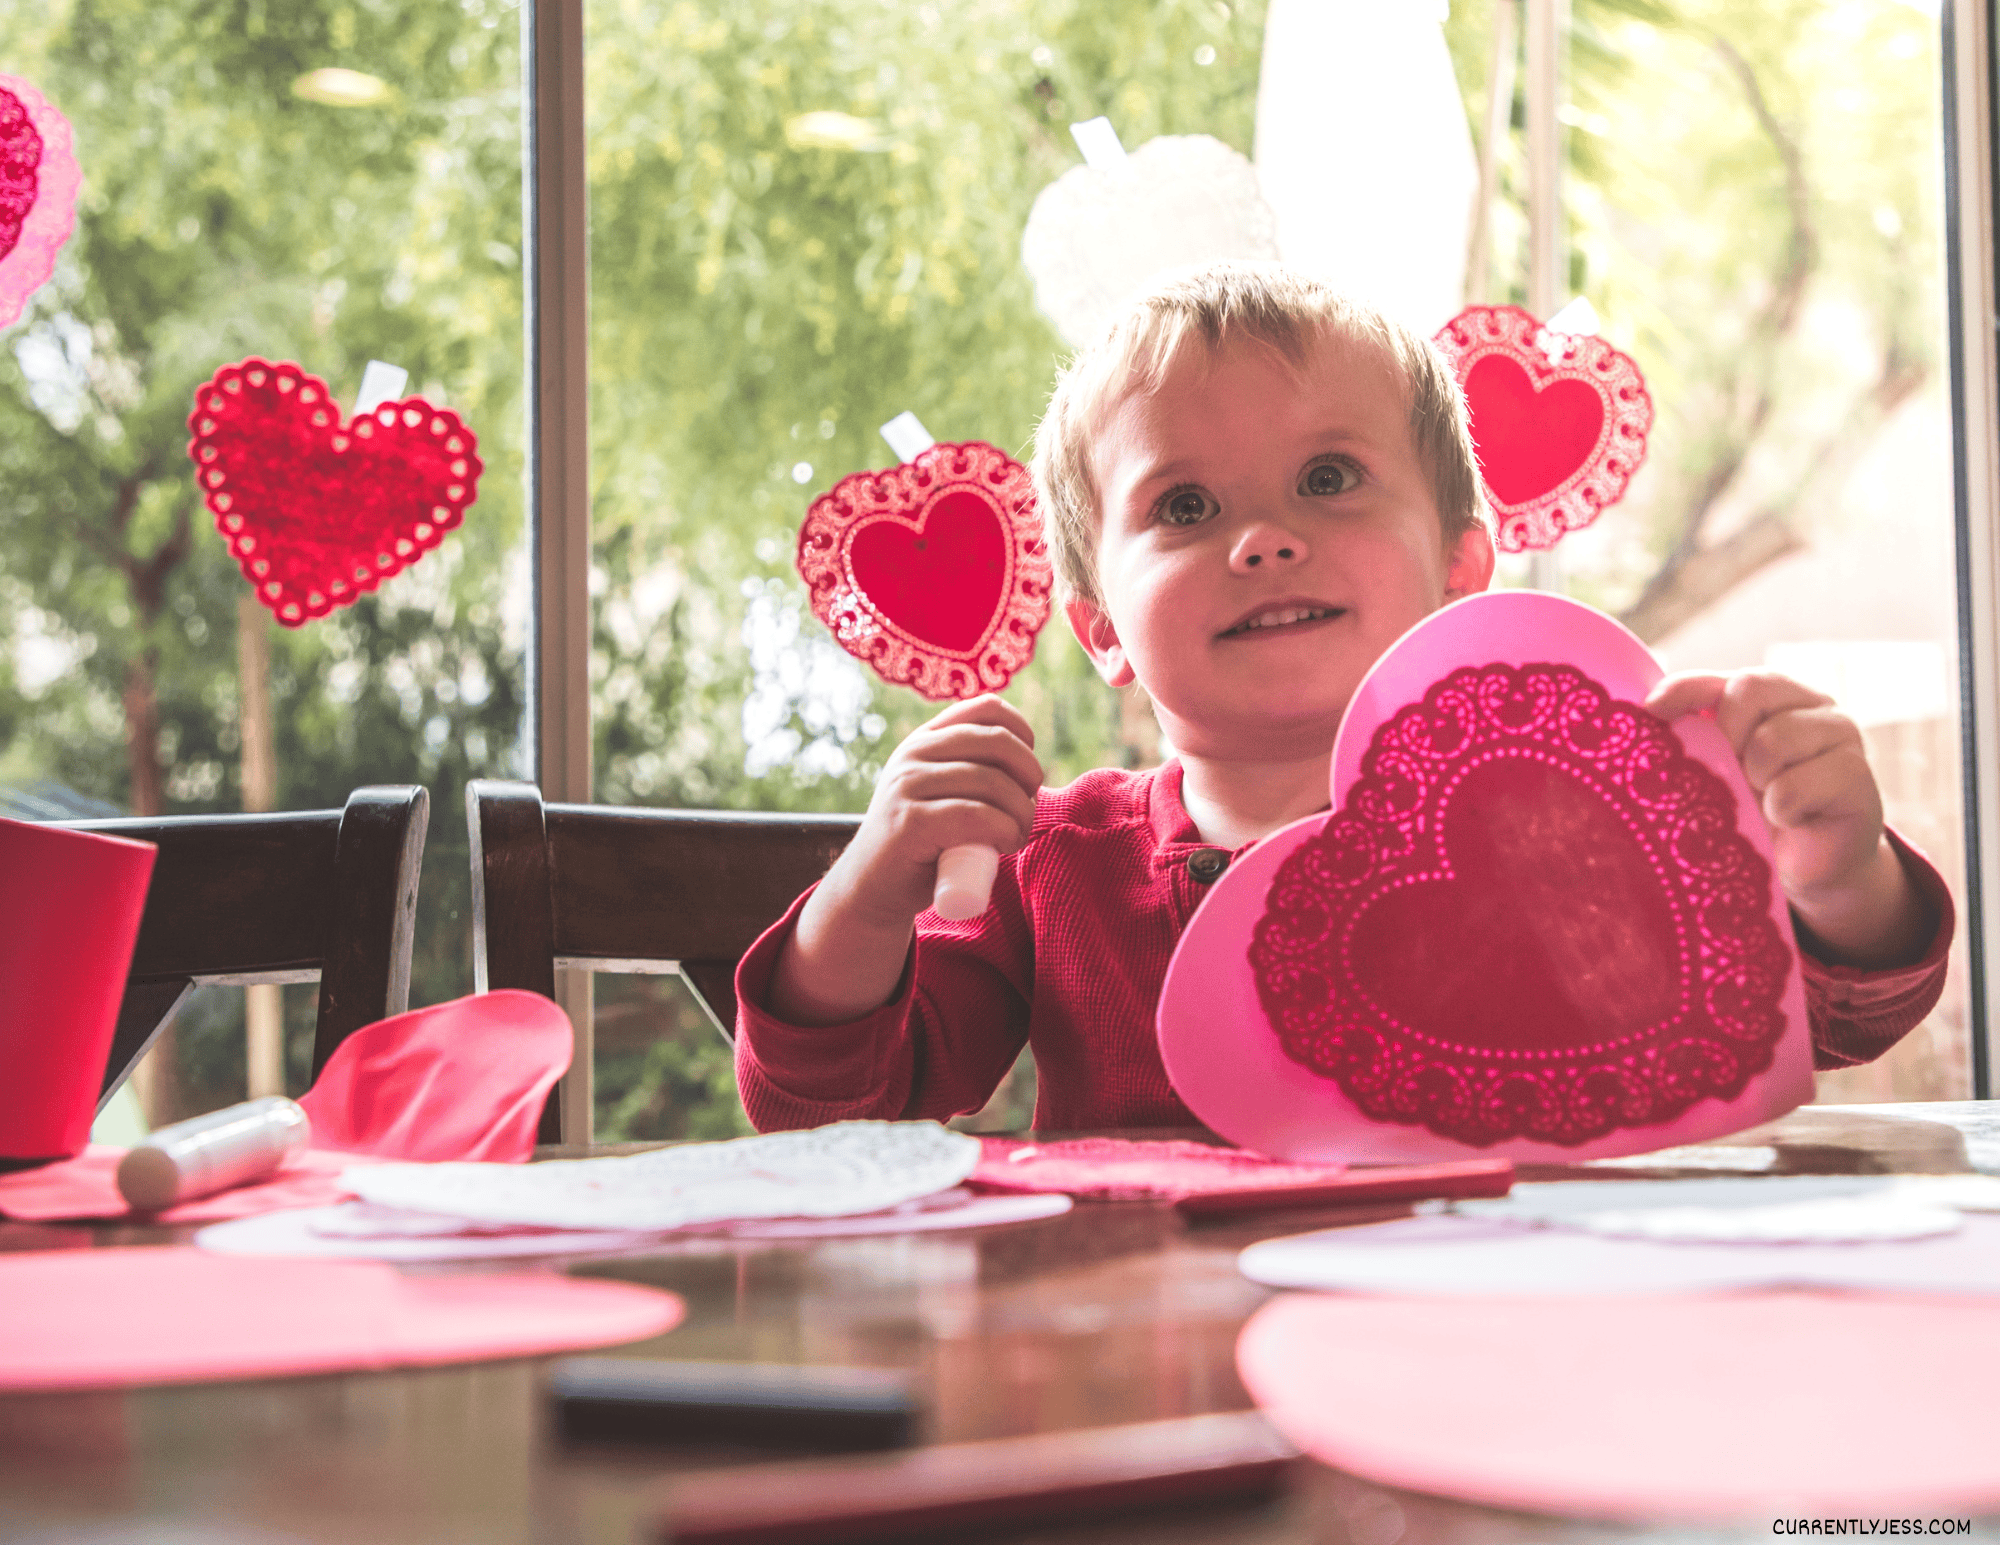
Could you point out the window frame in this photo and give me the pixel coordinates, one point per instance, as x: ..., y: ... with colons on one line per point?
x: 1967, y: 37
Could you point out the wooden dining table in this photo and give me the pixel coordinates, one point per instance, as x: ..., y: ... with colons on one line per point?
x: 1113, y: 1314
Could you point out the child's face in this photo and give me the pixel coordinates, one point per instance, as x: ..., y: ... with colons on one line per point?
x: 1266, y: 533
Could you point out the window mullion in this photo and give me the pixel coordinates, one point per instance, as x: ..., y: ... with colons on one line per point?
x: 556, y: 271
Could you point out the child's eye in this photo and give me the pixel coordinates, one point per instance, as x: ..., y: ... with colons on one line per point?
x: 1328, y: 477
x: 1187, y: 506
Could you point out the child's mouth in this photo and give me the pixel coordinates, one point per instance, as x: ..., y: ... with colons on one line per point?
x: 1282, y: 617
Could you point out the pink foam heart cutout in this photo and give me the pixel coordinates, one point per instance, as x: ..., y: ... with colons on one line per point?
x: 318, y: 510
x: 38, y: 186
x: 1538, y: 922
x: 934, y: 572
x: 1559, y: 420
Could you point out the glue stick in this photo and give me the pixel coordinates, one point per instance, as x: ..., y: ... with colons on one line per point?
x: 212, y: 1153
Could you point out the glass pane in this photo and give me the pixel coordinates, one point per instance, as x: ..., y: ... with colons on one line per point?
x: 323, y: 181
x: 806, y: 218
x: 1753, y: 208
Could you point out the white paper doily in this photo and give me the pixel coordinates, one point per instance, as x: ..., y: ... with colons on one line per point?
x: 1776, y: 1210
x: 362, y: 1231
x: 828, y: 1172
x: 1095, y: 238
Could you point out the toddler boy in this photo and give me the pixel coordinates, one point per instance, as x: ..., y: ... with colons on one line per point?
x: 1252, y: 486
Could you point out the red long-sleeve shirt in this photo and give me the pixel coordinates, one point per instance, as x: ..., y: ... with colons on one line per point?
x: 1070, y: 957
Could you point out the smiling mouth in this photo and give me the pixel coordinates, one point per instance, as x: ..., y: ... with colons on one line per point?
x: 1283, y: 617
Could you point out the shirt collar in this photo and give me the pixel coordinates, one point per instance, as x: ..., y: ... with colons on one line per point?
x: 1172, y: 825
x: 1174, y: 831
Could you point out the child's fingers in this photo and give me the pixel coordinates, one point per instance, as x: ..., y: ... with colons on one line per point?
x: 1740, y: 702
x: 991, y: 745
x: 1833, y: 786
x: 1751, y: 697
x: 985, y: 709
x: 924, y: 790
x: 1798, y: 735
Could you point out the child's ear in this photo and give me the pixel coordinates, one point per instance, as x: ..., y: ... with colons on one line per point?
x: 1469, y: 564
x: 1099, y: 638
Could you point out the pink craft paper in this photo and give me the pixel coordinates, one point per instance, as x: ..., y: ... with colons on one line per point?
x: 96, y: 1319
x: 37, y: 170
x: 1745, y: 1406
x: 87, y: 1187
x: 70, y: 904
x: 1246, y: 1082
x: 1116, y: 1169
x: 464, y: 1080
x: 1202, y: 1178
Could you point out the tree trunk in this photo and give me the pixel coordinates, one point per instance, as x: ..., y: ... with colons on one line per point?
x: 142, y: 735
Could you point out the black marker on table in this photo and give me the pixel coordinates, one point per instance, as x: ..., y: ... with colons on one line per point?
x: 775, y: 1405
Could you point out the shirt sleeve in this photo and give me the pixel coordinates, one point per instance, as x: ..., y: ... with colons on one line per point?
x: 1857, y: 1015
x: 939, y: 1048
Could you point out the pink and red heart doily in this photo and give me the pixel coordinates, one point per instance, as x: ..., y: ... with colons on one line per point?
x: 316, y: 510
x: 38, y: 183
x: 934, y: 572
x: 1559, y: 420
x: 1537, y: 921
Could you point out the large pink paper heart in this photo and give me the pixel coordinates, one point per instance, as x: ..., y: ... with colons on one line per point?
x: 1559, y: 420
x: 318, y: 511
x: 1531, y: 917
x: 934, y: 572
x: 1537, y: 922
x: 38, y: 183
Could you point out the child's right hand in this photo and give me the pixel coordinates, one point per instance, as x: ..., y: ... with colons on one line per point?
x: 968, y: 776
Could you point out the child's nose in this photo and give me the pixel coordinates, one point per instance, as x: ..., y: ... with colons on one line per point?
x: 1263, y: 543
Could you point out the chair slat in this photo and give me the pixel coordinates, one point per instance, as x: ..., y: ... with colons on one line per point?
x: 618, y: 884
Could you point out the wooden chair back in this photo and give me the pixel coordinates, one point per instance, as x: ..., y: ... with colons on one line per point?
x: 294, y: 896
x: 613, y: 888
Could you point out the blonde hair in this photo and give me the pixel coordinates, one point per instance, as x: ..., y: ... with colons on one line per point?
x: 1274, y: 305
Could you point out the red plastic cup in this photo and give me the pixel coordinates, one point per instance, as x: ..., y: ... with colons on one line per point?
x: 70, y: 904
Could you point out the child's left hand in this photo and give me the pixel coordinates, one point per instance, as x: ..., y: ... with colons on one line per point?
x: 1805, y: 761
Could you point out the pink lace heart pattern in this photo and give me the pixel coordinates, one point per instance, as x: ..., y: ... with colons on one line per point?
x: 934, y: 573
x: 20, y: 168
x: 1522, y: 840
x: 1559, y: 430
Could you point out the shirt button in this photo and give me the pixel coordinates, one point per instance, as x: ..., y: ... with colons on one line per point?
x: 1207, y: 863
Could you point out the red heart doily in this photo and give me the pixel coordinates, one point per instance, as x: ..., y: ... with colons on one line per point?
x: 1559, y: 420
x: 934, y: 572
x: 20, y: 165
x: 38, y: 183
x: 317, y: 511
x: 1523, y: 841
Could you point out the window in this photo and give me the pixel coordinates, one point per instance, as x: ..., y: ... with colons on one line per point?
x: 772, y: 226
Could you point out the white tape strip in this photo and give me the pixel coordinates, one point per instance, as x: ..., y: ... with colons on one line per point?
x: 1099, y: 142
x: 380, y: 383
x: 907, y: 436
